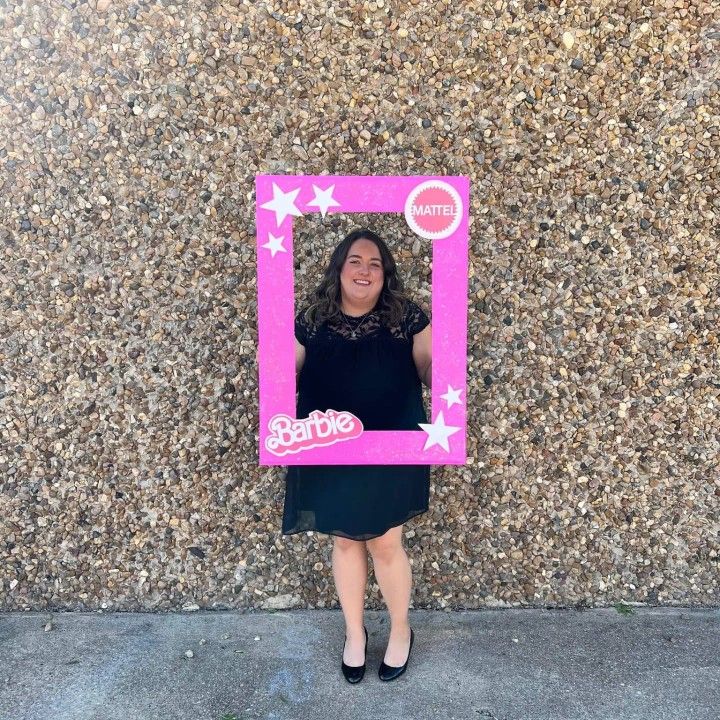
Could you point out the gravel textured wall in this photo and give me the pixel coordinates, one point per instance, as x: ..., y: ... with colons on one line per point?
x: 131, y: 134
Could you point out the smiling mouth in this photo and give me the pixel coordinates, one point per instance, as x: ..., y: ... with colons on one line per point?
x: 365, y: 283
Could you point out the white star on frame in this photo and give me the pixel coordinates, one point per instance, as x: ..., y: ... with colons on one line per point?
x: 282, y: 204
x: 452, y: 396
x: 324, y: 199
x: 438, y: 432
x: 274, y: 244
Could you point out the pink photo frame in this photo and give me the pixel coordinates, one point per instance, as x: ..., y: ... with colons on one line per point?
x: 436, y: 209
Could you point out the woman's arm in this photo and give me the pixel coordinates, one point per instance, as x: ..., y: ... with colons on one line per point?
x: 422, y: 355
x: 299, y: 356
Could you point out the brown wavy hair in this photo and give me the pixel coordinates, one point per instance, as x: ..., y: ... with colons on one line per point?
x: 325, y: 301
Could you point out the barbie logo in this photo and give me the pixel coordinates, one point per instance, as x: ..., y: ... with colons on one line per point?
x: 290, y: 435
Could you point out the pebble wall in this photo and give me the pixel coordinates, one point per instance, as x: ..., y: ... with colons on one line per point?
x: 131, y: 134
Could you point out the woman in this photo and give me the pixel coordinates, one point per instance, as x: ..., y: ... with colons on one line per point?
x: 363, y: 346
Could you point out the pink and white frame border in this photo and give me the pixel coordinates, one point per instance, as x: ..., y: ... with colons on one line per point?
x: 279, y: 199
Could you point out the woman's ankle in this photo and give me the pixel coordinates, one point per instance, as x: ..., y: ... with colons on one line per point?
x: 355, y: 631
x: 400, y: 627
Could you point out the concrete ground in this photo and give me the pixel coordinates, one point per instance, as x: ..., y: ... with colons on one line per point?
x: 652, y: 664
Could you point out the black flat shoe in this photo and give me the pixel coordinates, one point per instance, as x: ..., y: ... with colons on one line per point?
x: 388, y: 672
x: 354, y: 673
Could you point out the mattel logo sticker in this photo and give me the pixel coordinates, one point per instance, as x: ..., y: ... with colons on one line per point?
x: 433, y: 210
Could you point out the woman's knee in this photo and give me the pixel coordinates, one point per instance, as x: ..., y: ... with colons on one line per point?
x: 387, y: 545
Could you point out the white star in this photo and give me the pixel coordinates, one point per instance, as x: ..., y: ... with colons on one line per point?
x: 324, y: 199
x: 452, y: 396
x: 282, y: 204
x: 274, y: 244
x: 438, y: 432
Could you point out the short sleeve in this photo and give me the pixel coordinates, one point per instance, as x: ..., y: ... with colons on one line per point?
x: 301, y: 328
x: 415, y: 318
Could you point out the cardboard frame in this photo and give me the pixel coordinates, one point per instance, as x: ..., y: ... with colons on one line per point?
x: 436, y: 208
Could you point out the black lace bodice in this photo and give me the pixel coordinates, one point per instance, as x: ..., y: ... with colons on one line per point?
x: 367, y: 325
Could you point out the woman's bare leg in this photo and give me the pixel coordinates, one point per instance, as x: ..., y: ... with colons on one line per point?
x: 394, y: 576
x: 350, y: 568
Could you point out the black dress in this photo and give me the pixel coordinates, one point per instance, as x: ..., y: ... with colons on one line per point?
x: 372, y: 375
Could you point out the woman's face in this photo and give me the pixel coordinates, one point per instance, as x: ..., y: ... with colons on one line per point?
x: 362, y: 276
